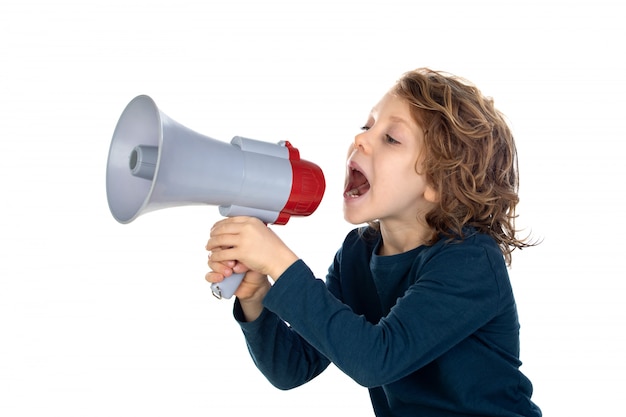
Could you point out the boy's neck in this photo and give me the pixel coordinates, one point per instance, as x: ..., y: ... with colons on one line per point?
x: 397, y: 240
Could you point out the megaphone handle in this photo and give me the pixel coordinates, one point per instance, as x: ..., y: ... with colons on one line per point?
x: 226, y: 288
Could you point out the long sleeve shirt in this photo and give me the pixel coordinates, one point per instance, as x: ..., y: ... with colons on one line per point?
x: 433, y: 331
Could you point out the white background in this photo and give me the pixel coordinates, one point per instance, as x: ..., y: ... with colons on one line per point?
x: 102, y: 319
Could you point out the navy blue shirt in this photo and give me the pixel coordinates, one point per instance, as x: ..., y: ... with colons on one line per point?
x: 430, y: 332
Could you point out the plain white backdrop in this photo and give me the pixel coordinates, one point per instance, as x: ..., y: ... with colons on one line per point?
x: 102, y: 319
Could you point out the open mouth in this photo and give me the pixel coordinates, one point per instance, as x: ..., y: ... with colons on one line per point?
x: 357, y: 184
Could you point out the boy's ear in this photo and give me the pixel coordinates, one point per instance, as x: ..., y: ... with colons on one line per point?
x: 431, y: 195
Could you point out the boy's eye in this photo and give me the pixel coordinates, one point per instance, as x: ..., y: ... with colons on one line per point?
x: 387, y: 138
x: 390, y: 140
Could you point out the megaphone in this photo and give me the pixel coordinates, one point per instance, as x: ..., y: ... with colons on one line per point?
x: 155, y: 163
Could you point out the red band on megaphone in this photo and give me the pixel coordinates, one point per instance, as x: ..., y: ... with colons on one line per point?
x: 307, y: 187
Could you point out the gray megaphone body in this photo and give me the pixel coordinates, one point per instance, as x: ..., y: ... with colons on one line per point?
x: 155, y: 163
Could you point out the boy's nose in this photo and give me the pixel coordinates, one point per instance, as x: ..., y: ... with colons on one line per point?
x: 360, y: 141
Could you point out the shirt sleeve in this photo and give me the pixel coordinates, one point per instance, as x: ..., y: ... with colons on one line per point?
x: 448, y: 302
x: 286, y: 360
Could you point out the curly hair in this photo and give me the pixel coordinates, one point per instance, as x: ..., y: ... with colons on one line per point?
x: 469, y: 157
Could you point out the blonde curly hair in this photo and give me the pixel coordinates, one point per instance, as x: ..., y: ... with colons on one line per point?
x: 469, y: 157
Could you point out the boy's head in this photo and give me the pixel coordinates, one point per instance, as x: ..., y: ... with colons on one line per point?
x: 469, y: 155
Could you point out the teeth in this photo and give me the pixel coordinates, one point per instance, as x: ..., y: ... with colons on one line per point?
x: 356, y: 192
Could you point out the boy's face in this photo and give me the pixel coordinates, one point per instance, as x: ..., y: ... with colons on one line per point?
x: 382, y: 182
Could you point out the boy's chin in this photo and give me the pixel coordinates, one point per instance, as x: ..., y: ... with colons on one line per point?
x: 353, y: 218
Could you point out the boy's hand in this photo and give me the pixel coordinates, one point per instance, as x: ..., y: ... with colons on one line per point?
x: 254, y: 286
x: 253, y: 245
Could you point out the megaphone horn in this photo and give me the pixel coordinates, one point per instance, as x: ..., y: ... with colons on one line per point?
x: 155, y: 163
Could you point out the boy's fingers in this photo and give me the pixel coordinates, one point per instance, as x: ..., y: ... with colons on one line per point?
x: 213, y: 277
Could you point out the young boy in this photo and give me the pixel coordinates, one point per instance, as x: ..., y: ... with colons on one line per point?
x: 417, y: 306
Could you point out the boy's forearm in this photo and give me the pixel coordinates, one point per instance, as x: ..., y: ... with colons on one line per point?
x: 252, y: 307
